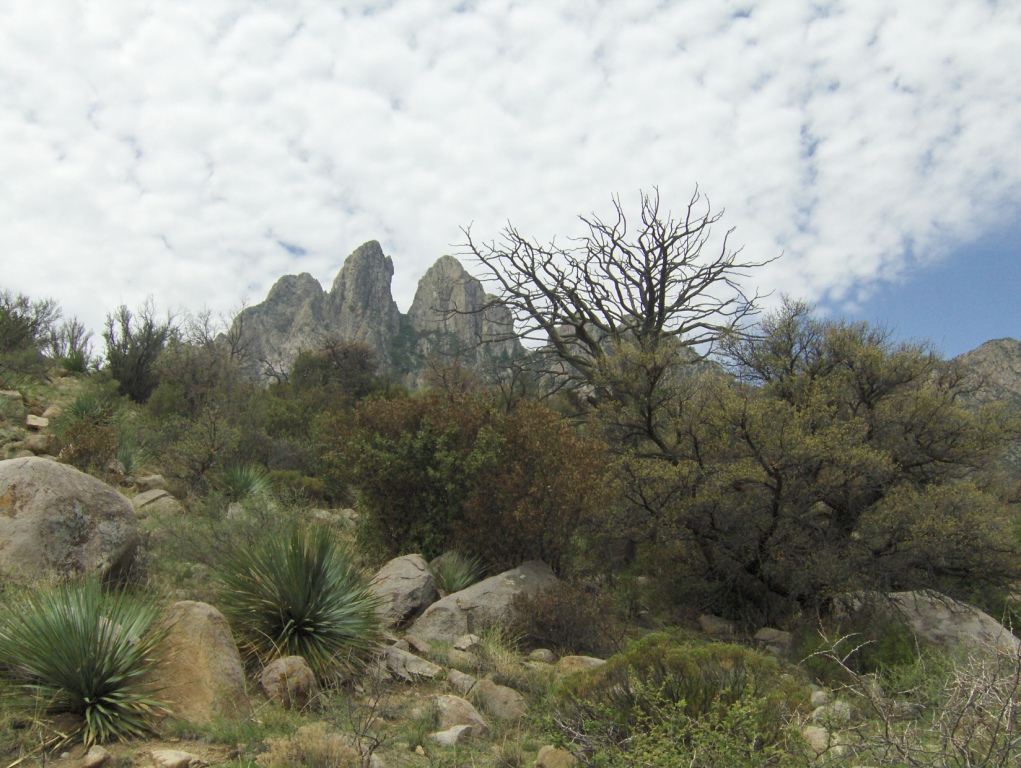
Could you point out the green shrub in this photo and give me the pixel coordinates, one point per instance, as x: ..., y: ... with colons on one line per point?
x: 631, y: 690
x: 88, y: 446
x: 454, y: 572
x: 75, y: 648
x: 301, y: 595
x: 244, y: 481
x: 133, y: 344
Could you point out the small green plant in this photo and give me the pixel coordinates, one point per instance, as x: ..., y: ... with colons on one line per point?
x: 454, y: 572
x: 75, y: 648
x: 301, y: 595
x: 245, y: 481
x: 88, y: 407
x: 130, y: 455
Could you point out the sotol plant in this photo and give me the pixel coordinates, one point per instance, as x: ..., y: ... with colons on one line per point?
x: 454, y: 572
x: 77, y: 648
x: 301, y: 595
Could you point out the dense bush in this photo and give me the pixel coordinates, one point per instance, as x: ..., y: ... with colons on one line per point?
x: 452, y: 470
x: 133, y: 345
x: 301, y: 595
x: 75, y: 648
x: 657, y: 674
x: 25, y: 325
x: 567, y: 617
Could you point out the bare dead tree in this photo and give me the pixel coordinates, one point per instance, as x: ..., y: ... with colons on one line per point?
x: 664, y: 281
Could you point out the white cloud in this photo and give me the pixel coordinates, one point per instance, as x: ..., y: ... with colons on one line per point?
x: 182, y: 149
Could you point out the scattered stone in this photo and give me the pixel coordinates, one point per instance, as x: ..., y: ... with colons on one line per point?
x: 38, y: 444
x: 405, y: 587
x: 451, y: 737
x: 543, y: 655
x: 201, y: 677
x: 10, y: 394
x: 36, y: 422
x: 419, y: 751
x: 817, y: 738
x: 483, y: 603
x: 156, y: 503
x: 408, y: 667
x: 401, y: 645
x: 57, y: 522
x: 775, y: 641
x: 289, y: 681
x: 151, y: 483
x: 51, y: 412
x: 819, y: 698
x: 453, y: 710
x: 716, y: 627
x: 171, y: 758
x: 461, y: 682
x: 568, y: 665
x: 96, y: 757
x: 838, y: 713
x: 417, y: 644
x: 499, y: 701
x: 551, y: 757
x: 466, y: 642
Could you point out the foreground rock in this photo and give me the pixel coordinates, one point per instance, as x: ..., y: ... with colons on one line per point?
x: 487, y: 602
x: 405, y: 587
x: 453, y: 711
x: 57, y: 522
x: 172, y: 758
x: 201, y: 676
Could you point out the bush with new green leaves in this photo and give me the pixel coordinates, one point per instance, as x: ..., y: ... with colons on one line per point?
x: 77, y: 648
x: 658, y: 674
x: 301, y: 595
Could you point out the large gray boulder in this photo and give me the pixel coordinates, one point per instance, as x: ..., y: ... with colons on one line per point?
x: 945, y: 622
x: 57, y: 522
x: 200, y: 676
x: 487, y: 602
x: 405, y: 587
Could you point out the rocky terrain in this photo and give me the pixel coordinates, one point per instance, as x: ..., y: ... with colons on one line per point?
x: 451, y: 315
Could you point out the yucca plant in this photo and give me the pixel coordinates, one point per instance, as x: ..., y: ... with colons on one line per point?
x: 87, y: 407
x: 244, y: 481
x: 131, y: 456
x: 77, y: 648
x: 454, y: 572
x: 301, y: 595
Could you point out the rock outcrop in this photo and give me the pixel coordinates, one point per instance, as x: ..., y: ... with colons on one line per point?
x: 451, y: 315
x: 945, y: 622
x: 487, y: 602
x: 405, y: 587
x: 997, y: 364
x: 57, y: 522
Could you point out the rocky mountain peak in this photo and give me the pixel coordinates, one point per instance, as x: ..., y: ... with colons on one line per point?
x: 362, y: 306
x: 998, y: 363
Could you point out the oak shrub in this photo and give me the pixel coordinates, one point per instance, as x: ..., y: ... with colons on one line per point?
x: 451, y: 470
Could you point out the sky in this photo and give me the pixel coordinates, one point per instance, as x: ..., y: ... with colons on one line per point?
x: 197, y: 151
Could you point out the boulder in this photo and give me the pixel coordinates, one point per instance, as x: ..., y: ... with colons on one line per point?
x: 817, y: 738
x: 551, y: 757
x: 568, y: 665
x: 451, y: 737
x: 151, y: 483
x: 499, y: 701
x: 289, y: 681
x: 461, y: 682
x: 172, y: 758
x: 38, y: 444
x: 201, y: 677
x: 774, y: 641
x: 156, y: 503
x: 36, y: 422
x: 717, y: 628
x: 57, y: 522
x: 405, y: 588
x: 486, y: 602
x: 96, y: 757
x: 408, y: 667
x: 945, y: 622
x: 542, y: 655
x: 453, y: 710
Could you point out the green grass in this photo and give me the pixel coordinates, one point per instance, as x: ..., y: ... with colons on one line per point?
x: 301, y: 595
x: 76, y: 648
x: 454, y: 572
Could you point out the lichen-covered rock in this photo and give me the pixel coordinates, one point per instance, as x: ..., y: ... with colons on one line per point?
x: 289, y: 681
x: 57, y: 522
x: 405, y: 587
x: 200, y: 676
x: 486, y: 602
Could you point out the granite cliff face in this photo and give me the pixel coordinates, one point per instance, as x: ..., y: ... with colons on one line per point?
x: 451, y: 315
x: 997, y: 365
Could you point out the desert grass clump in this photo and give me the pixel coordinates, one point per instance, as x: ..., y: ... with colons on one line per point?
x: 245, y: 481
x: 312, y: 746
x: 301, y: 595
x: 454, y: 571
x: 79, y: 649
